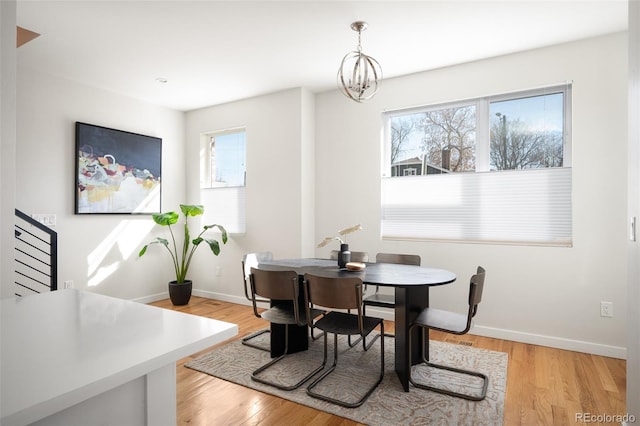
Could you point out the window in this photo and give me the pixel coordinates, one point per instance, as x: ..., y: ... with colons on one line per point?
x: 495, y: 169
x: 223, y: 177
x: 223, y: 159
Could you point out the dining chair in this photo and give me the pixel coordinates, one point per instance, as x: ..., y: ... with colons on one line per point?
x: 382, y: 300
x: 336, y: 295
x: 251, y: 260
x: 454, y: 323
x: 282, y: 289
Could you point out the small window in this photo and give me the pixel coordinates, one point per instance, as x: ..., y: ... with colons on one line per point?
x: 223, y: 178
x: 224, y: 159
x: 410, y: 172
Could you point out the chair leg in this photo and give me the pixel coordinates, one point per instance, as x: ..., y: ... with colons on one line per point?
x: 314, y: 337
x: 425, y: 361
x: 246, y: 340
x: 361, y: 401
x: 366, y: 346
x: 355, y: 342
x: 254, y: 375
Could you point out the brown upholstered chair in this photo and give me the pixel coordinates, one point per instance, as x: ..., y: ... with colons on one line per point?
x: 282, y: 289
x: 343, y: 293
x: 454, y: 323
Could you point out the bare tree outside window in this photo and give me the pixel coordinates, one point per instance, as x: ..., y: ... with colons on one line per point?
x: 516, y: 133
x: 449, y: 136
x: 401, y: 130
x: 526, y: 137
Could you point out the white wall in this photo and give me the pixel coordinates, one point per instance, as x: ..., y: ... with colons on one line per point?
x: 533, y: 294
x: 633, y: 336
x: 7, y: 142
x: 279, y: 181
x: 97, y: 252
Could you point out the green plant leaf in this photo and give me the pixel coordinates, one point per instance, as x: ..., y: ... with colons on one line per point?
x: 158, y: 240
x: 165, y: 219
x: 222, y: 230
x: 214, y: 245
x: 192, y: 209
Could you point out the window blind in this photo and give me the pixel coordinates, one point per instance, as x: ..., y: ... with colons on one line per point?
x: 226, y: 207
x: 513, y: 207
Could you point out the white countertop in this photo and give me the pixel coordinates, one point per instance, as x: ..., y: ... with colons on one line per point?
x: 62, y: 347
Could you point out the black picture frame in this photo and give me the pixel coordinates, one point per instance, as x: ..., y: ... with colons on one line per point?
x: 117, y: 172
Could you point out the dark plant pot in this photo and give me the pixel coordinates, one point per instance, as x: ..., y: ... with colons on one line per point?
x: 180, y: 294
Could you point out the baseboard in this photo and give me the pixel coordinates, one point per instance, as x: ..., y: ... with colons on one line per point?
x: 239, y: 300
x: 498, y: 333
x: 552, y: 342
x: 152, y: 298
x: 533, y: 339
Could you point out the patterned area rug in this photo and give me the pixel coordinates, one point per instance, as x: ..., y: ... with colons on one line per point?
x: 357, y: 369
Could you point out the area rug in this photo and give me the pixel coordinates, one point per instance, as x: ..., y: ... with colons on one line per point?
x: 357, y: 369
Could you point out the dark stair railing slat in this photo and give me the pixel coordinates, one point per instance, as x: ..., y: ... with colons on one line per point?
x: 36, y: 256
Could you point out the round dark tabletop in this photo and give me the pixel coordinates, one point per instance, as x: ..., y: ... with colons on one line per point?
x: 383, y: 274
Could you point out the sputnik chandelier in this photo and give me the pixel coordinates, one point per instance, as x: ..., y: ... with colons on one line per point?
x: 359, y: 74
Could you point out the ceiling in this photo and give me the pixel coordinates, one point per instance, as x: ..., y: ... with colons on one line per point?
x: 212, y: 52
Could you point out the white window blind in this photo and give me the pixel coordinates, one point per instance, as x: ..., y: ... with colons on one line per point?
x: 226, y: 207
x: 517, y: 207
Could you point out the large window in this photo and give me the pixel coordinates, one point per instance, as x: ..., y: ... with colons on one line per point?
x: 495, y: 169
x: 222, y: 178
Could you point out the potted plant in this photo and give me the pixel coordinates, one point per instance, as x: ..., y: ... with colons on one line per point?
x: 344, y: 256
x: 180, y: 289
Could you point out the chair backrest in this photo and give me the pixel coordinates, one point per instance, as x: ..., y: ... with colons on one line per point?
x: 476, y: 286
x: 356, y: 256
x: 404, y: 259
x: 274, y: 285
x: 251, y: 260
x: 334, y: 293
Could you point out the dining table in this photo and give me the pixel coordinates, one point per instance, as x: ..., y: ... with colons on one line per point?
x: 411, y: 285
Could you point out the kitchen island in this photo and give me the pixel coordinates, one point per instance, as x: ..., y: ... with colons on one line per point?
x: 73, y: 357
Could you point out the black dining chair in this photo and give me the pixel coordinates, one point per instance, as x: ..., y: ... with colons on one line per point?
x: 342, y: 293
x: 454, y: 323
x: 251, y: 260
x: 382, y: 300
x: 282, y: 288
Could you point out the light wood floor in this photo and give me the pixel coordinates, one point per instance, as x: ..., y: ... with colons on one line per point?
x: 545, y: 386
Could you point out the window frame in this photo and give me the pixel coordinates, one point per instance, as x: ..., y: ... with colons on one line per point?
x: 391, y: 216
x: 206, y: 175
x: 224, y: 204
x: 483, y: 123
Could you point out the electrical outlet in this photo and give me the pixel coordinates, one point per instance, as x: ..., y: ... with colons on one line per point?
x: 68, y: 284
x: 46, y: 219
x: 606, y: 309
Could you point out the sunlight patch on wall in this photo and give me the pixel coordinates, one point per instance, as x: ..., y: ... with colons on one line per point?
x: 121, y: 243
